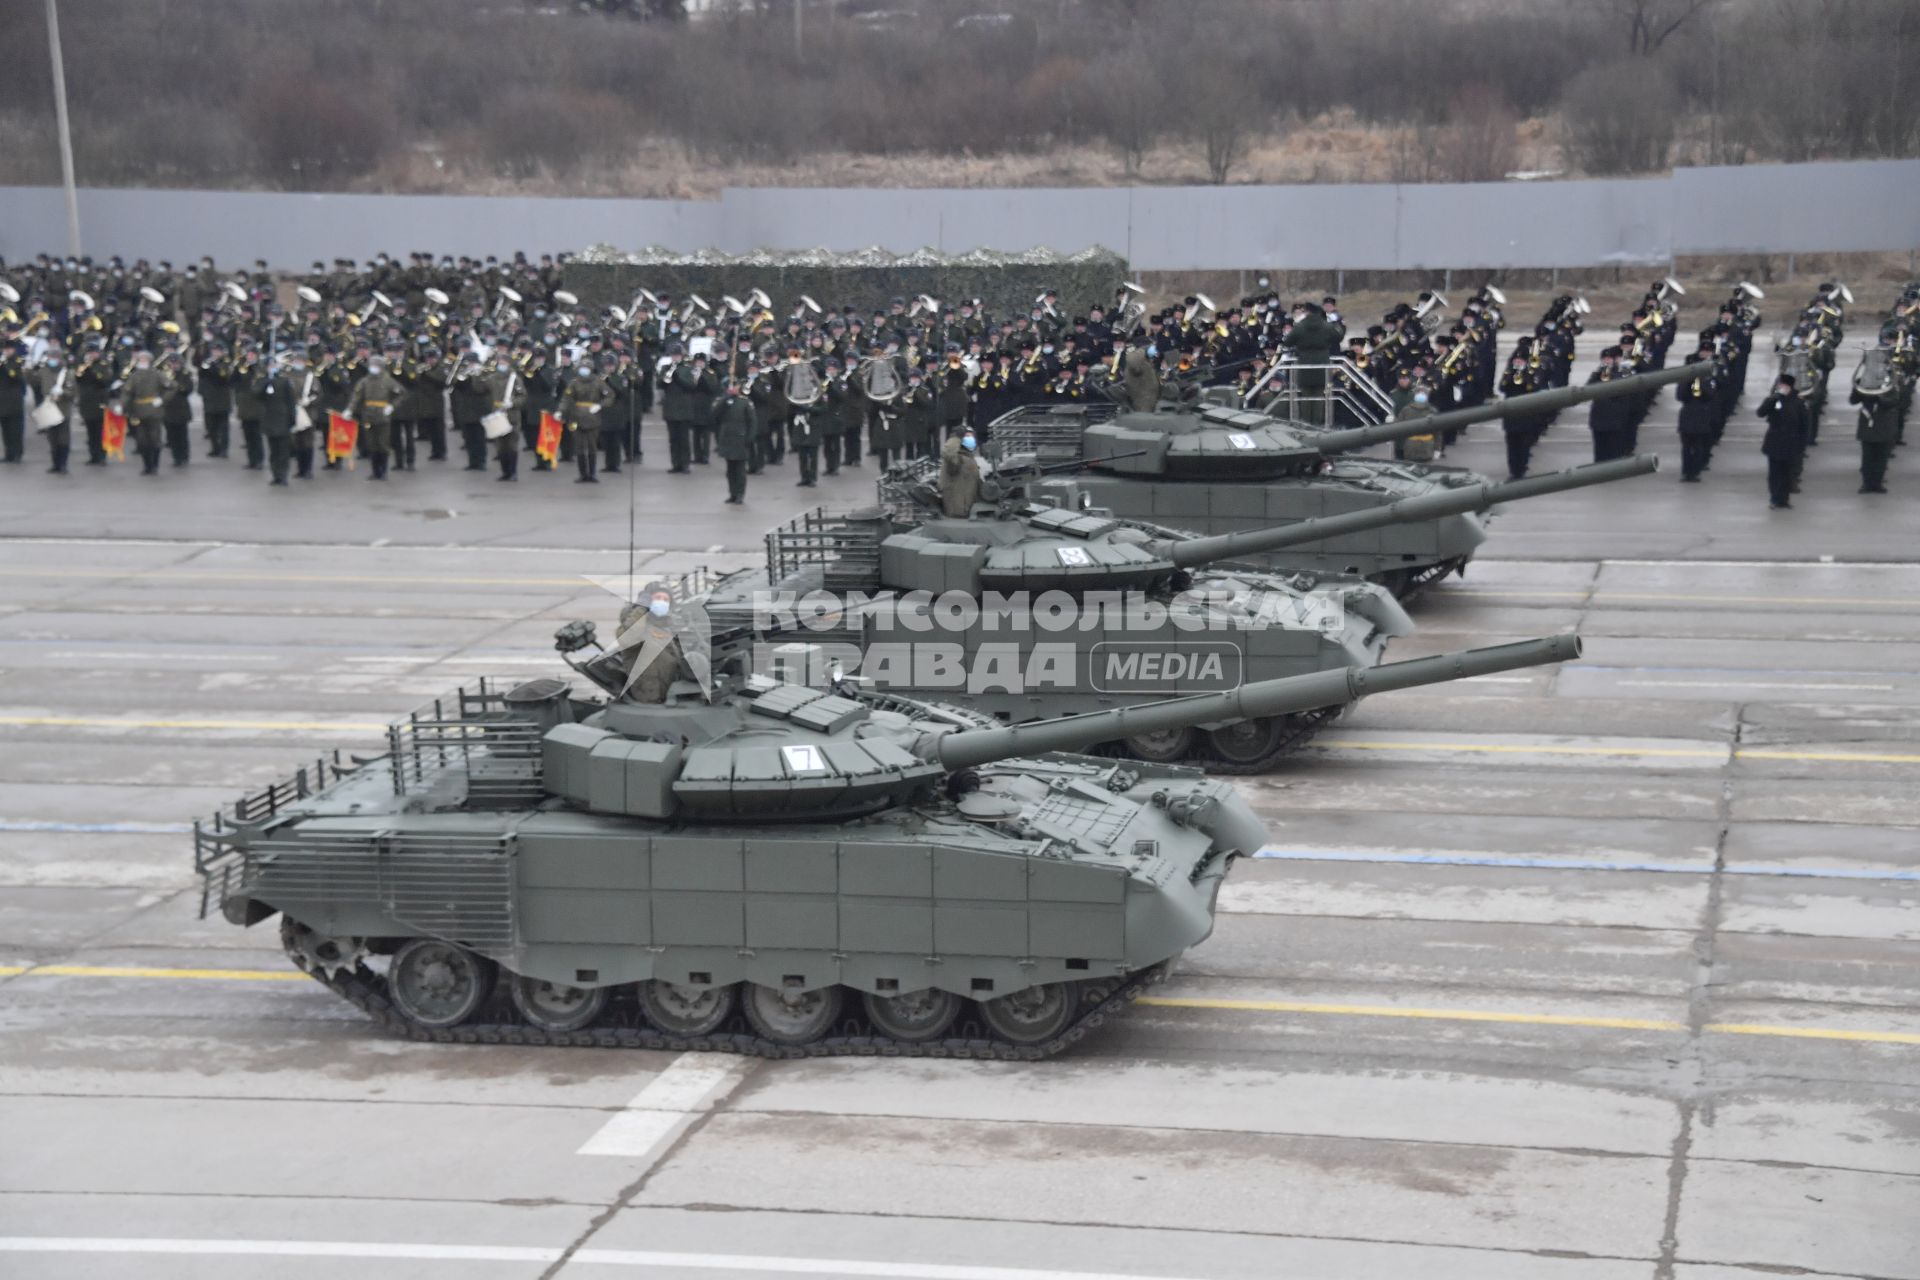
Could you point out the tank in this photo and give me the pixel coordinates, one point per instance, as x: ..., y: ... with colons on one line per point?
x: 1034, y: 605
x: 1217, y: 469
x: 753, y: 867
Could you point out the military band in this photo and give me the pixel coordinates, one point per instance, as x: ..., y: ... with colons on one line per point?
x: 492, y: 357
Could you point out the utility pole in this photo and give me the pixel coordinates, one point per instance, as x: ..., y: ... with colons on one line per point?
x: 65, y: 130
x: 799, y: 53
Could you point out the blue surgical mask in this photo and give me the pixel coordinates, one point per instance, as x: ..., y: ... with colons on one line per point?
x: 967, y: 442
x: 659, y: 608
x: 1419, y: 397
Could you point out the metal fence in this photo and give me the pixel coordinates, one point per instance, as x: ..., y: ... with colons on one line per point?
x: 1810, y: 208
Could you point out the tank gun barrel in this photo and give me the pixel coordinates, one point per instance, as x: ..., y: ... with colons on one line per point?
x: 968, y: 747
x: 1514, y: 406
x: 1189, y: 552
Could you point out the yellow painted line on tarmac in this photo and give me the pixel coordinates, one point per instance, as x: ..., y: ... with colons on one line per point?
x: 1427, y: 1015
x: 114, y: 722
x: 1164, y: 1002
x: 1603, y: 596
x: 1813, y: 1033
x: 1525, y: 1019
x: 1679, y: 753
x: 141, y: 971
x: 576, y: 580
x: 1866, y: 757
x: 1513, y: 748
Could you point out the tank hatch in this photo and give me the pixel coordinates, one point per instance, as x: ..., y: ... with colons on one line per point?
x: 1070, y: 564
x: 1217, y: 444
x: 804, y: 767
x: 805, y: 779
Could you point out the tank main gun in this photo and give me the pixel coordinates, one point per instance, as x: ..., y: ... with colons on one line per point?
x: 1290, y: 694
x: 1189, y: 552
x: 1550, y: 401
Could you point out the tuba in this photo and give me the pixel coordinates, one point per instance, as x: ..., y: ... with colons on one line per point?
x: 1873, y: 376
x: 878, y: 380
x: 800, y: 384
x: 1130, y: 308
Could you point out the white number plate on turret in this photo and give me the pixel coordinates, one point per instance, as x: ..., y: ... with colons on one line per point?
x: 1240, y: 441
x: 1075, y: 555
x: 804, y: 758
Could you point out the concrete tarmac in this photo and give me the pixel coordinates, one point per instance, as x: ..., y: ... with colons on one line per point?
x: 1602, y: 971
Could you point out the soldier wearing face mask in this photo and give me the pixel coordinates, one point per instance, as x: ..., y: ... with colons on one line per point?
x: 584, y: 406
x: 372, y: 406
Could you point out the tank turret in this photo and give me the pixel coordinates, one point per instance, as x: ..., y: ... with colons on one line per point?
x: 765, y: 868
x: 1224, y: 444
x: 1030, y: 547
x: 1125, y: 614
x: 1214, y: 470
x: 1475, y: 497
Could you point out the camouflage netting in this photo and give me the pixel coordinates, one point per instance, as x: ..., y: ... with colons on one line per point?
x: 868, y: 279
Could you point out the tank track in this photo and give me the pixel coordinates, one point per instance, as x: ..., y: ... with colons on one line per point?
x: 1300, y: 728
x: 622, y: 1027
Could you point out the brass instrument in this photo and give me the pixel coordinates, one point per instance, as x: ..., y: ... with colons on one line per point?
x: 1130, y: 309
x: 437, y: 312
x: 878, y: 379
x: 506, y: 306
x: 800, y: 383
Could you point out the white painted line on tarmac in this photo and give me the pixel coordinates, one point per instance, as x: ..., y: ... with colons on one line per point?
x: 109, y: 828
x: 632, y: 1258
x: 669, y: 1102
x: 1574, y: 862
x: 1748, y: 684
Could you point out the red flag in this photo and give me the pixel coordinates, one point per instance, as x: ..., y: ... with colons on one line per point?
x: 342, y: 434
x: 113, y: 433
x: 548, y: 444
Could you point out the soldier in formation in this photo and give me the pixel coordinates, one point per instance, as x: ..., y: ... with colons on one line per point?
x: 403, y: 346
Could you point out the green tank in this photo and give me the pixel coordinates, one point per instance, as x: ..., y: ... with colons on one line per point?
x: 1212, y: 468
x: 753, y: 867
x: 1034, y: 605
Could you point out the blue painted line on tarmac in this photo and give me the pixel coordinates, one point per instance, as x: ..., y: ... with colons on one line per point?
x: 1534, y: 862
x: 1741, y: 671
x: 112, y: 828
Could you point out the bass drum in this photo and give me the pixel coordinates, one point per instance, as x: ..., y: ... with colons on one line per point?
x: 496, y: 425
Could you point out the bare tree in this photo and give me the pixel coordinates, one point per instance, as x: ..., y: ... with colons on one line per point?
x: 1478, y: 143
x: 1221, y: 110
x: 1620, y: 118
x: 1649, y: 23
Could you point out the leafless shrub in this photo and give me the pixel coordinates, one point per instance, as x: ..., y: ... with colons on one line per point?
x: 1619, y: 118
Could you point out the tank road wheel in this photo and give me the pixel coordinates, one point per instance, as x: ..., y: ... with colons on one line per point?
x: 1033, y: 1016
x: 685, y: 1011
x: 555, y: 1007
x: 915, y: 1017
x: 1169, y: 746
x: 788, y: 1016
x: 1246, y: 743
x: 437, y: 985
